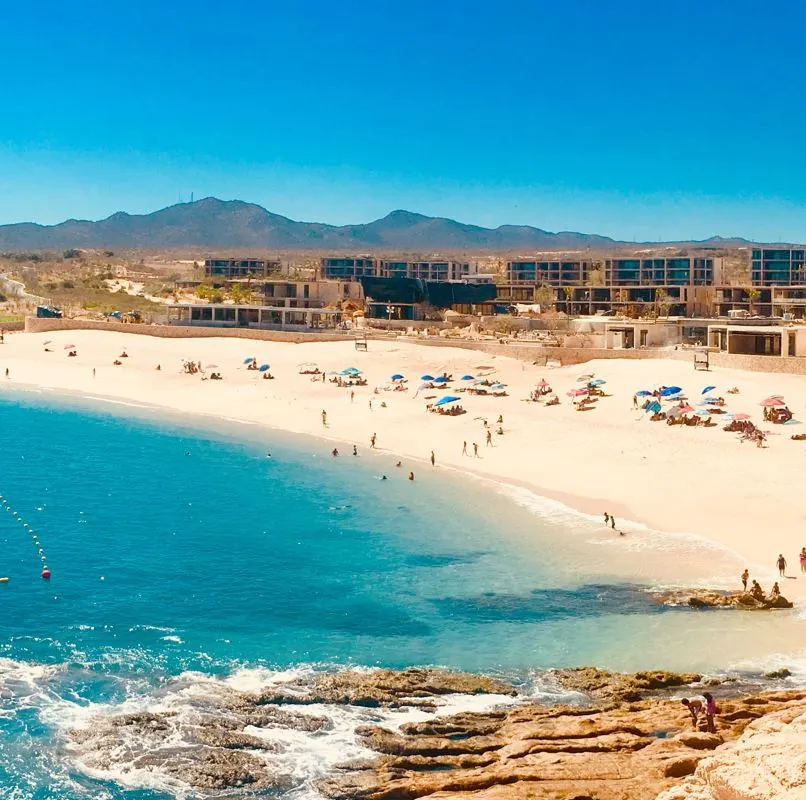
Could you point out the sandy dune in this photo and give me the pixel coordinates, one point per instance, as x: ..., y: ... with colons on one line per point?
x: 704, y: 481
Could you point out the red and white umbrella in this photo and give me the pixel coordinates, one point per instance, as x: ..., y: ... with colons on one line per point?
x: 577, y: 392
x: 69, y: 346
x: 771, y: 402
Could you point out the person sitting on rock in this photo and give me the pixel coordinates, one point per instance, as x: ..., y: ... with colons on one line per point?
x: 694, y: 708
x: 775, y: 592
x: 756, y: 591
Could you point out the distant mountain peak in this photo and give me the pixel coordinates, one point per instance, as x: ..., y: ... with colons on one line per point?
x: 214, y: 224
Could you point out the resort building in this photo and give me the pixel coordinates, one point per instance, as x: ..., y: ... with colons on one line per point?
x: 239, y: 267
x: 347, y: 268
x: 778, y: 267
x: 758, y: 337
x: 221, y: 315
x: 679, y: 285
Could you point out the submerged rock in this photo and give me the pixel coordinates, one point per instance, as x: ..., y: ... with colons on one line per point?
x: 616, y: 686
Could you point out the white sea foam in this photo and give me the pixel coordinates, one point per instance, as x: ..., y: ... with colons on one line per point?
x: 175, y: 639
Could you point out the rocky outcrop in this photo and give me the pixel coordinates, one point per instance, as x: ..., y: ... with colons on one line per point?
x: 626, y: 739
x: 711, y: 598
x: 614, y: 750
x: 381, y: 688
x: 768, y: 762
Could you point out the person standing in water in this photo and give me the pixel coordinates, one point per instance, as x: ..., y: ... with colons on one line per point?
x: 324, y: 417
x: 372, y: 441
x: 612, y: 522
x: 355, y: 450
x: 607, y: 519
x: 433, y: 459
x: 411, y: 476
x: 781, y: 564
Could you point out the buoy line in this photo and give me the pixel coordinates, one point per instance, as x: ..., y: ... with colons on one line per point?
x: 33, y: 534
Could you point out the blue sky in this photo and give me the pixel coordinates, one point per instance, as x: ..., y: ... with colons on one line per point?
x: 633, y: 119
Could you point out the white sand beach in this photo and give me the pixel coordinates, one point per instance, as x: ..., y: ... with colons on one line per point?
x: 612, y: 458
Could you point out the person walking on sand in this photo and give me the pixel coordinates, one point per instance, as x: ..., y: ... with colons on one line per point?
x: 352, y: 395
x: 489, y: 438
x: 781, y: 564
x: 694, y: 708
x: 745, y: 577
x: 464, y: 453
x: 433, y: 459
x: 324, y: 417
x: 372, y: 441
x: 475, y: 450
x: 93, y: 372
x: 710, y: 712
x: 612, y: 522
x: 803, y: 559
x: 370, y: 404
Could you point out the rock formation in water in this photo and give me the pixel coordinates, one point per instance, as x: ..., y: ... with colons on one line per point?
x: 625, y: 740
x: 711, y: 598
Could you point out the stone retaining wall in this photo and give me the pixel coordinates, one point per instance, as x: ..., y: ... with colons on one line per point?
x: 41, y: 325
x: 12, y: 326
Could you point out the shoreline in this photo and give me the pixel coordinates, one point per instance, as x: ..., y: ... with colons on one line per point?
x: 23, y: 353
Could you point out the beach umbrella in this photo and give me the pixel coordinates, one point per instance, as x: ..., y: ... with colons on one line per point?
x: 675, y: 412
x: 654, y: 407
x: 708, y: 389
x: 350, y: 371
x: 426, y: 377
x: 772, y: 402
x: 440, y: 379
x: 643, y: 393
x: 498, y: 386
x: 69, y: 346
x: 703, y: 412
x: 248, y: 360
x: 577, y: 392
x: 775, y: 397
x: 587, y: 377
x: 598, y: 382
x: 467, y: 377
x: 449, y: 398
x: 710, y: 400
x: 543, y: 382
x: 263, y: 368
x: 212, y: 366
x: 397, y: 377
x: 49, y: 341
x: 686, y: 408
x: 668, y: 391
x: 740, y: 416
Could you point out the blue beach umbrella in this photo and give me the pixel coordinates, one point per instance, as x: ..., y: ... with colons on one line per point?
x: 449, y: 398
x: 426, y: 377
x: 703, y: 412
x: 598, y: 382
x: 643, y: 393
x: 263, y: 367
x: 668, y: 391
x: 654, y: 407
x: 248, y: 360
x: 708, y: 389
x: 397, y: 377
x: 440, y: 379
x: 350, y: 371
x: 467, y: 377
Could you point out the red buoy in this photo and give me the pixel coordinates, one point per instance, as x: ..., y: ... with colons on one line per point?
x: 46, y: 574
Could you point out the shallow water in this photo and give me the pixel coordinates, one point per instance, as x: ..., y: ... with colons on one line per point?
x: 181, y: 550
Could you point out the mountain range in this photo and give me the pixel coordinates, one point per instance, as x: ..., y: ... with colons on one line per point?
x: 216, y: 224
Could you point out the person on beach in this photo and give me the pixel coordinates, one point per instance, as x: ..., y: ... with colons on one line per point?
x: 8, y: 374
x: 324, y: 417
x: 355, y: 450
x: 607, y: 518
x: 781, y: 564
x: 399, y: 464
x: 803, y: 559
x: 775, y: 592
x: 489, y: 438
x: 352, y: 395
x: 745, y: 576
x: 335, y: 452
x: 93, y: 372
x: 464, y: 453
x: 370, y: 404
x: 694, y: 708
x: 500, y: 420
x: 475, y: 450
x: 710, y: 712
x: 372, y: 441
x: 411, y: 476
x: 433, y: 459
x: 612, y: 522
x: 756, y: 591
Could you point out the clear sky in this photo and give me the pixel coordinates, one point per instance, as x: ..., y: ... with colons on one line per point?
x: 630, y: 118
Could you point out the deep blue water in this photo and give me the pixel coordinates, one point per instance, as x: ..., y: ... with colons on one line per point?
x: 177, y: 548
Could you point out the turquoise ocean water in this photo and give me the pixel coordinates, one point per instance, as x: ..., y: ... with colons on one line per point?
x: 184, y: 554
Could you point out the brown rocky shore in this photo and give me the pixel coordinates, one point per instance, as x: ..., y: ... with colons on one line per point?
x: 626, y: 739
x: 712, y: 598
